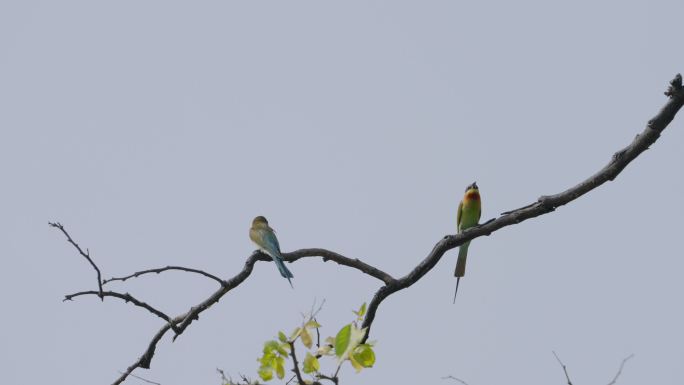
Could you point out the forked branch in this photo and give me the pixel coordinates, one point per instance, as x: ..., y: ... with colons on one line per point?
x: 85, y: 254
x: 543, y: 205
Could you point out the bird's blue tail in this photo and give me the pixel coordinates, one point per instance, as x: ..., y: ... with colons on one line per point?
x: 283, y: 270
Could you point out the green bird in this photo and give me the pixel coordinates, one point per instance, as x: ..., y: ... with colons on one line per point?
x: 264, y: 237
x: 469, y: 211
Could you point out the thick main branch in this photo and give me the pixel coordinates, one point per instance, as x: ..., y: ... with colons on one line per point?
x: 543, y: 205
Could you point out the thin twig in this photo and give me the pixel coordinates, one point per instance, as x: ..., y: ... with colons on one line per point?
x: 564, y: 368
x: 619, y: 372
x: 227, y: 380
x: 161, y: 269
x: 295, y: 369
x: 339, y: 366
x: 455, y: 379
x: 142, y: 379
x: 85, y: 255
x: 223, y: 377
x: 124, y: 296
x: 333, y: 379
x: 318, y: 336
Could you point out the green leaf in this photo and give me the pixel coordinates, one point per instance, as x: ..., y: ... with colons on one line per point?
x: 295, y: 334
x: 283, y: 348
x: 362, y: 311
x: 267, y: 358
x: 280, y: 367
x: 357, y: 366
x: 306, y: 338
x: 266, y: 373
x: 312, y: 324
x: 270, y: 346
x: 353, y: 339
x: 311, y: 363
x: 342, y: 340
x: 364, y: 355
x: 281, y: 337
x: 324, y: 350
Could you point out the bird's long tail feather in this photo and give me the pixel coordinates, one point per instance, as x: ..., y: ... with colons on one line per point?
x: 458, y: 279
x: 284, y: 271
x: 461, y: 262
x: 461, y: 265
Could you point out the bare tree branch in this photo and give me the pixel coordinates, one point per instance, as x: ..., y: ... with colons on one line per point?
x: 543, y: 205
x: 332, y: 379
x: 328, y: 255
x: 126, y: 297
x: 229, y: 381
x: 455, y: 379
x: 143, y: 379
x: 193, y: 314
x: 224, y: 379
x: 619, y: 372
x: 565, y: 370
x: 295, y: 363
x: 161, y: 269
x: 85, y: 254
x: 144, y: 360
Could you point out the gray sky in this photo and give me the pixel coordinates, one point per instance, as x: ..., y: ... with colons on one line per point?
x: 155, y: 131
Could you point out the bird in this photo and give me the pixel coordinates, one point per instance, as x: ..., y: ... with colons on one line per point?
x: 469, y: 211
x: 264, y: 237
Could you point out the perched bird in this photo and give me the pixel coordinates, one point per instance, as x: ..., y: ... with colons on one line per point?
x: 469, y: 211
x: 264, y: 237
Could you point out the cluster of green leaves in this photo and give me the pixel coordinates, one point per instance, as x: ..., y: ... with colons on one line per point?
x: 273, y: 359
x: 345, y: 346
x: 348, y: 346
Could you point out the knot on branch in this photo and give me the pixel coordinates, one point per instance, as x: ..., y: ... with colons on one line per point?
x: 675, y: 86
x: 146, y: 360
x: 546, y: 202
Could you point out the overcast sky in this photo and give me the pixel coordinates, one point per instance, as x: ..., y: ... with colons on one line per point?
x: 156, y: 130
